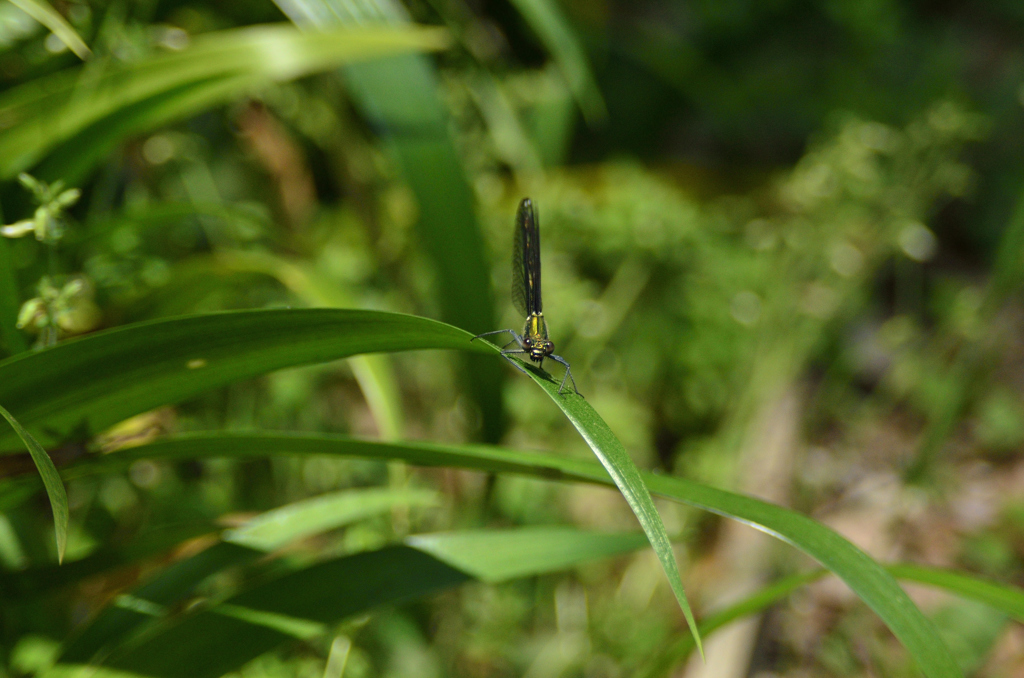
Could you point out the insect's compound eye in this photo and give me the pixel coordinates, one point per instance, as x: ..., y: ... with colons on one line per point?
x: 527, y: 343
x: 549, y: 347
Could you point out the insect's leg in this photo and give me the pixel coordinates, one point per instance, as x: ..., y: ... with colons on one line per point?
x: 516, y: 339
x: 514, y: 364
x: 568, y: 374
x: 487, y: 334
x: 505, y: 352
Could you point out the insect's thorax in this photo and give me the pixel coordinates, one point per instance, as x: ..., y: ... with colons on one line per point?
x: 535, y: 337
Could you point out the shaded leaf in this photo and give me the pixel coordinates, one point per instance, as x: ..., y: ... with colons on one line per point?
x: 11, y: 338
x: 51, y: 481
x: 150, y: 600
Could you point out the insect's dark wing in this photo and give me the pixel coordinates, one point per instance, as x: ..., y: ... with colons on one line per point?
x: 526, y: 261
x: 518, y: 269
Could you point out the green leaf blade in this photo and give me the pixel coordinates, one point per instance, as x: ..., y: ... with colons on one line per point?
x: 626, y: 476
x: 277, y: 527
x: 95, y: 381
x: 1003, y: 597
x: 869, y: 580
x: 48, y: 112
x: 51, y: 481
x: 48, y: 16
x: 497, y: 556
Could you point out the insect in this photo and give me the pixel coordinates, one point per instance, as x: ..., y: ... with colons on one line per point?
x: 534, y: 342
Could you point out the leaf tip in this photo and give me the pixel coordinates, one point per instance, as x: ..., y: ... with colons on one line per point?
x: 695, y: 631
x: 700, y: 645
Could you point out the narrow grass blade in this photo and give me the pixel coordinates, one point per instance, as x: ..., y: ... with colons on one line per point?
x: 613, y: 456
x: 98, y: 380
x: 48, y: 16
x: 869, y: 580
x: 51, y: 481
x: 1007, y: 599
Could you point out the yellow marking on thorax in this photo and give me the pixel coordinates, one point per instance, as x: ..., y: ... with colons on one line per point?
x: 535, y: 326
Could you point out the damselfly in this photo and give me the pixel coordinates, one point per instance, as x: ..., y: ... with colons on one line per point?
x: 533, y: 342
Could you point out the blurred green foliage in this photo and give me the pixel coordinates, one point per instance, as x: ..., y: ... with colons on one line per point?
x: 738, y: 199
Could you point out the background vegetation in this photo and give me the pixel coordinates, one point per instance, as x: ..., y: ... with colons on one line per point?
x: 782, y: 250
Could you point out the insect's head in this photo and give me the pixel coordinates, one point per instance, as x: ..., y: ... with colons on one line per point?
x: 538, y: 347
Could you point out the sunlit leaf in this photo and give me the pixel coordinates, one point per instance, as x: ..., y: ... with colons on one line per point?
x: 278, y: 527
x: 47, y: 16
x: 500, y: 555
x: 217, y: 66
x: 613, y: 456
